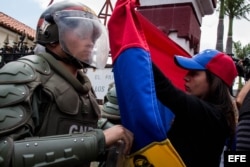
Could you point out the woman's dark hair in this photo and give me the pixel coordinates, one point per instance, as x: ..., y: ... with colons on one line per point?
x: 219, y: 95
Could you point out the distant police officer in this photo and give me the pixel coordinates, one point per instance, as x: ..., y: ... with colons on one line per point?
x: 110, y: 109
x: 48, y: 110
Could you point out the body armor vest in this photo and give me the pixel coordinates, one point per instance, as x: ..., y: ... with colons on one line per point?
x: 61, y: 103
x: 39, y: 97
x: 65, y: 108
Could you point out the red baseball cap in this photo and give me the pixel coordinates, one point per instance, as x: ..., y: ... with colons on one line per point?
x: 214, y: 61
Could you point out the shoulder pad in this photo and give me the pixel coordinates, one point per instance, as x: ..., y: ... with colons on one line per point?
x: 12, y: 94
x: 37, y: 62
x: 12, y: 118
x: 16, y: 72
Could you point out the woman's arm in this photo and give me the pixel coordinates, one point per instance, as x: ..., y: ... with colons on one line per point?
x: 168, y: 94
x: 242, y: 94
x: 177, y: 100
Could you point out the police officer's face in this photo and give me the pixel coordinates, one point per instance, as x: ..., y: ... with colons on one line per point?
x: 79, y: 46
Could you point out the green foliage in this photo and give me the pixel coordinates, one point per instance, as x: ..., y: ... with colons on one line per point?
x: 241, y: 52
x: 237, y: 8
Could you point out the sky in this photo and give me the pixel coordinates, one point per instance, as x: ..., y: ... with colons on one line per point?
x: 28, y: 12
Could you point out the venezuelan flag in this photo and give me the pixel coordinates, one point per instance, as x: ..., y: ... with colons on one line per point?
x: 136, y: 44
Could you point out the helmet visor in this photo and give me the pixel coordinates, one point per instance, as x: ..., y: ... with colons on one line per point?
x: 83, y: 36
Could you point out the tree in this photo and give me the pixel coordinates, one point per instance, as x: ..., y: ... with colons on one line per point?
x: 241, y: 52
x: 235, y: 9
x: 220, y: 27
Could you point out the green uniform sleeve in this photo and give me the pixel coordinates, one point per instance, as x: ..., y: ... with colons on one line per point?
x: 60, y: 150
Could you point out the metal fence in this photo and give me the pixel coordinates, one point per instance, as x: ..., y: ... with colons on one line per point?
x: 19, y: 48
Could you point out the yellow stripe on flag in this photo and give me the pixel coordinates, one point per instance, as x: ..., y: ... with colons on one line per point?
x: 157, y: 154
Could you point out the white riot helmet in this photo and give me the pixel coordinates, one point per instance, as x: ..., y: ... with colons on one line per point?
x: 80, y: 21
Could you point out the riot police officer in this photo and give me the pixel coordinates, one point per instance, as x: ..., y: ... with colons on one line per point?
x: 48, y: 111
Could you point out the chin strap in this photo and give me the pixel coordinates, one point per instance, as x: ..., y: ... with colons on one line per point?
x: 69, y: 60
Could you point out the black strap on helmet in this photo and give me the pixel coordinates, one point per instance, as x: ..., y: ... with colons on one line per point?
x: 69, y: 60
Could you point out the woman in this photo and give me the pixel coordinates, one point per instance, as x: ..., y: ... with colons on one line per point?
x: 204, y: 115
